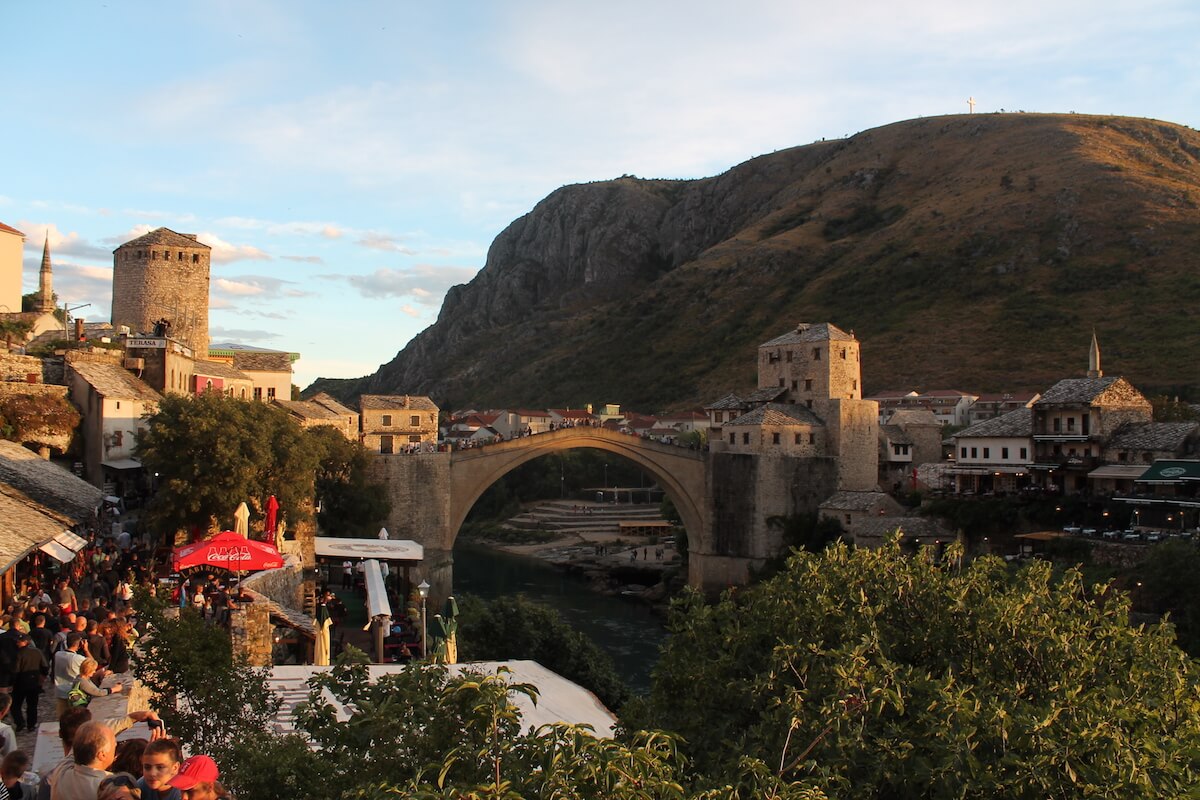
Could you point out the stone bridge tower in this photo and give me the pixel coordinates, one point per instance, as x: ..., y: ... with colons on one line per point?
x: 163, y: 275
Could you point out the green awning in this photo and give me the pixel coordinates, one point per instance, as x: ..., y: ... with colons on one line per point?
x: 1171, y: 471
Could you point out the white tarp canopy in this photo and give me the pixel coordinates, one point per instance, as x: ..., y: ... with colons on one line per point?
x: 385, y: 549
x: 56, y: 551
x: 377, y: 599
x: 123, y: 463
x: 71, y: 541
x: 559, y: 700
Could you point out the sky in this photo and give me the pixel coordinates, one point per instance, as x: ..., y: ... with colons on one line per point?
x: 350, y: 162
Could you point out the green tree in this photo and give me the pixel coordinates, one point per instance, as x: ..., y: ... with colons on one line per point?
x: 877, y: 675
x: 211, y: 453
x: 517, y: 627
x: 1170, y: 584
x: 205, y: 696
x: 351, y: 505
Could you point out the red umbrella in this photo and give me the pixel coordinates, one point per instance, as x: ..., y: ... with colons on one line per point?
x: 272, y: 511
x: 229, y: 550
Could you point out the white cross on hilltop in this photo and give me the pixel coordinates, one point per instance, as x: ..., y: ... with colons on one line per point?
x: 971, y: 103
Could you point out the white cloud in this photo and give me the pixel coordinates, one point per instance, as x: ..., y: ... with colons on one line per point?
x: 60, y: 243
x: 426, y: 284
x: 373, y: 240
x: 224, y: 252
x: 237, y: 287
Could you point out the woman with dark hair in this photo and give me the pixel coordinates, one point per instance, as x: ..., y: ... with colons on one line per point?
x: 129, y: 757
x: 118, y: 786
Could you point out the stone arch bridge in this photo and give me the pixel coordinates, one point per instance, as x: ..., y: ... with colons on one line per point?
x: 723, y: 499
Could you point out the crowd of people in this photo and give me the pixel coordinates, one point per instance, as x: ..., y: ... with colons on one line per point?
x: 70, y: 631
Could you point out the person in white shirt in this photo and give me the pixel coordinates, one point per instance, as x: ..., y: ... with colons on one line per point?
x: 66, y: 669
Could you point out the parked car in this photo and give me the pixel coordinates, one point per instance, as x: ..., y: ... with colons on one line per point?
x: 1111, y: 535
x: 1089, y: 532
x: 1131, y: 536
x: 1154, y: 536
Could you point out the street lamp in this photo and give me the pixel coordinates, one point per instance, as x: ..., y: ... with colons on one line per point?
x: 423, y: 590
x: 606, y: 476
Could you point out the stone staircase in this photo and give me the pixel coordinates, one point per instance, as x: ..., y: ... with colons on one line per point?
x: 587, y: 520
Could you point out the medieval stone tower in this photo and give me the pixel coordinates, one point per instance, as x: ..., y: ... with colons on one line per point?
x: 817, y: 366
x: 163, y: 276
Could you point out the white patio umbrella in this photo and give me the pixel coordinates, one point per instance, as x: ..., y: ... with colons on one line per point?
x: 242, y: 515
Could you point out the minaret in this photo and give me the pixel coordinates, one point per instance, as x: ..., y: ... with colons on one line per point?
x: 45, y: 301
x: 1094, y: 370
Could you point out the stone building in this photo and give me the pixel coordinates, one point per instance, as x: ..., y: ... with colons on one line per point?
x: 911, y: 437
x: 219, y: 376
x: 12, y: 250
x: 322, y: 410
x: 1073, y: 420
x: 777, y: 429
x: 163, y: 277
x: 115, y: 405
x: 994, y: 455
x: 394, y: 423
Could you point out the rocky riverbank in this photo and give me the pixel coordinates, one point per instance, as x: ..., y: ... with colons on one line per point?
x: 589, y: 540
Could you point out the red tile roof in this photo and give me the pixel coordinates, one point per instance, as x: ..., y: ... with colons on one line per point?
x: 9, y: 229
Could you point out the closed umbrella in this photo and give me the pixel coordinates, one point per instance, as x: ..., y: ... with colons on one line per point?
x: 324, y: 623
x: 242, y: 515
x: 272, y: 514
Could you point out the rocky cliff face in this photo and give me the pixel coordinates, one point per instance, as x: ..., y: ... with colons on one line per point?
x: 973, y: 252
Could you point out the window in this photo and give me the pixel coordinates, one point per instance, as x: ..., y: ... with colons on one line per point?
x: 774, y: 438
x: 816, y: 354
x: 1070, y: 423
x: 964, y: 452
x: 258, y: 393
x: 733, y: 438
x: 154, y: 255
x: 847, y: 519
x: 854, y: 385
x: 195, y: 258
x: 1004, y: 453
x: 387, y: 420
x: 243, y: 392
x: 270, y: 392
x: 843, y: 354
x: 746, y: 438
x: 118, y: 438
x: 808, y: 384
x: 415, y: 438
x: 208, y: 385
x: 812, y: 438
x: 118, y: 405
x: 1024, y: 453
x: 974, y: 453
x: 416, y: 421
x: 795, y: 385
x: 808, y: 403
x: 789, y: 356
x: 781, y: 381
x: 895, y: 449
x: 987, y: 452
x: 181, y: 256
x: 386, y: 445
x: 797, y: 438
x: 1122, y: 456
x: 1057, y: 424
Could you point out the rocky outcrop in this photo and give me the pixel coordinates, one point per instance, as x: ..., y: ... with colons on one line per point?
x: 952, y: 245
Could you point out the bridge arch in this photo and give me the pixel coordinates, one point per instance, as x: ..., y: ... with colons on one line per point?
x: 679, y: 472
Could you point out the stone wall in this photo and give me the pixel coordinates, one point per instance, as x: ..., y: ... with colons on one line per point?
x: 15, y: 368
x: 285, y: 586
x: 419, y: 489
x: 250, y: 634
x: 746, y: 491
x: 11, y: 389
x: 853, y: 427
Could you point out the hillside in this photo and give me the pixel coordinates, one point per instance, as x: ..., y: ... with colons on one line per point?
x: 974, y: 252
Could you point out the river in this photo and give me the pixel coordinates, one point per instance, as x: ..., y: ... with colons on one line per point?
x: 629, y: 632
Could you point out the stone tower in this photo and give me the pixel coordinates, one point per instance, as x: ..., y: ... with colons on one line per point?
x: 45, y: 300
x: 163, y: 275
x: 817, y: 366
